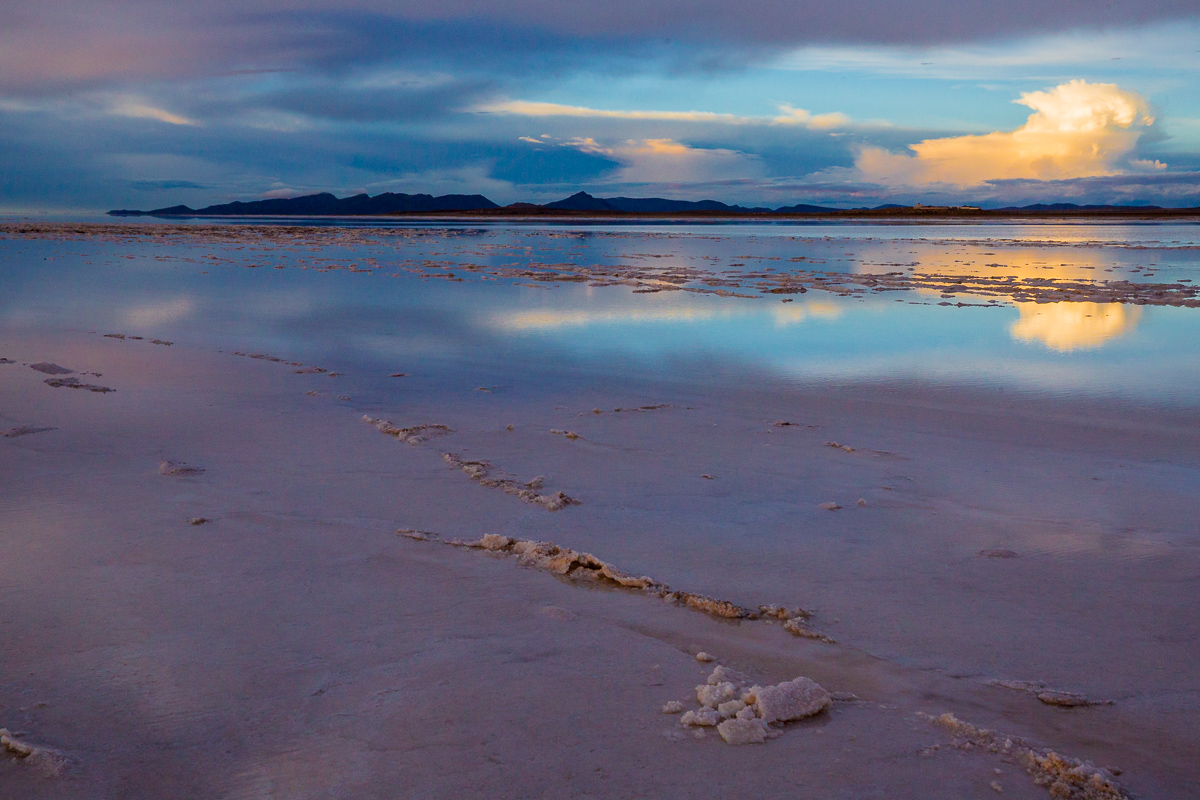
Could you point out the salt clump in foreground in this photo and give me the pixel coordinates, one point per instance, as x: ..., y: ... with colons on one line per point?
x: 744, y: 714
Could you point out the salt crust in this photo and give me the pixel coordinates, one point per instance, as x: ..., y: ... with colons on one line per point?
x: 49, y: 762
x: 50, y: 369
x: 414, y: 435
x: 573, y: 565
x: 75, y: 383
x: 478, y: 471
x: 530, y: 492
x: 1049, y: 696
x: 1064, y: 777
x: 743, y: 731
x: 794, y: 699
x: 23, y: 430
x: 178, y: 469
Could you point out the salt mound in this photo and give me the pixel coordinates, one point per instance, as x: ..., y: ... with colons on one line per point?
x: 49, y: 762
x: 14, y: 747
x: 714, y: 696
x: 794, y: 699
x: 744, y: 715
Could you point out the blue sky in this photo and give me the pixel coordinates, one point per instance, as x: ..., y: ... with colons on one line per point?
x: 132, y: 103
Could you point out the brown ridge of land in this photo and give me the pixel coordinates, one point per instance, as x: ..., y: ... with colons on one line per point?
x: 897, y: 214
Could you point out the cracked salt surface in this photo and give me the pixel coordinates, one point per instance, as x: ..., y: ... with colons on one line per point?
x: 577, y: 566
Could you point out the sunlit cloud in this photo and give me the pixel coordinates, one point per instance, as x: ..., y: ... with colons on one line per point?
x: 525, y: 108
x: 136, y: 108
x: 669, y: 161
x: 1073, y: 326
x: 1076, y: 130
x: 799, y: 116
x: 788, y: 115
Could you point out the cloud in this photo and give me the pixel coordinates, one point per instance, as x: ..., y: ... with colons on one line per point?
x: 788, y: 115
x: 136, y: 108
x: 800, y: 116
x: 65, y: 42
x: 526, y: 108
x: 1076, y: 130
x: 1073, y: 326
x: 158, y: 186
x: 671, y: 162
x: 1159, y: 47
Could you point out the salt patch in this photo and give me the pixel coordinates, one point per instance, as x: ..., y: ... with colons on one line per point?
x: 997, y: 553
x: 704, y: 657
x: 797, y: 626
x: 75, y: 383
x: 743, y: 731
x: 50, y: 369
x: 530, y: 492
x: 713, y: 696
x: 49, y: 762
x: 705, y: 718
x: 178, y: 469
x: 730, y: 708
x: 23, y: 430
x: 413, y: 435
x: 1063, y: 777
x: 549, y: 557
x: 1050, y: 696
x: 672, y: 707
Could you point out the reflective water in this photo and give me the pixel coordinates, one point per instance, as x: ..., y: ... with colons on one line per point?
x: 446, y: 298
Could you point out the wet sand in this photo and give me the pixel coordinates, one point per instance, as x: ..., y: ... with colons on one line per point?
x: 295, y: 645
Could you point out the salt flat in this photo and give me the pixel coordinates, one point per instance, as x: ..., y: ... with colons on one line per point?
x: 1010, y: 542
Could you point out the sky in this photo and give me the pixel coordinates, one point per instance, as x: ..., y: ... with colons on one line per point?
x: 143, y: 103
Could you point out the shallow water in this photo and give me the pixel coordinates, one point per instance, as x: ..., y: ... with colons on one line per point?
x: 419, y: 298
x: 936, y: 390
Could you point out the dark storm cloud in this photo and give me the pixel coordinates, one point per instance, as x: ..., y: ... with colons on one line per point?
x: 57, y: 43
x: 325, y: 100
x: 152, y: 186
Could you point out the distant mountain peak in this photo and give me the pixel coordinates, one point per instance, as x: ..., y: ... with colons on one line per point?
x: 326, y: 204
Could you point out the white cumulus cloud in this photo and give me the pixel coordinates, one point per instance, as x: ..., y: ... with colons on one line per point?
x: 1077, y: 130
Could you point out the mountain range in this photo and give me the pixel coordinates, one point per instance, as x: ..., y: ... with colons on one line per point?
x: 328, y: 205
